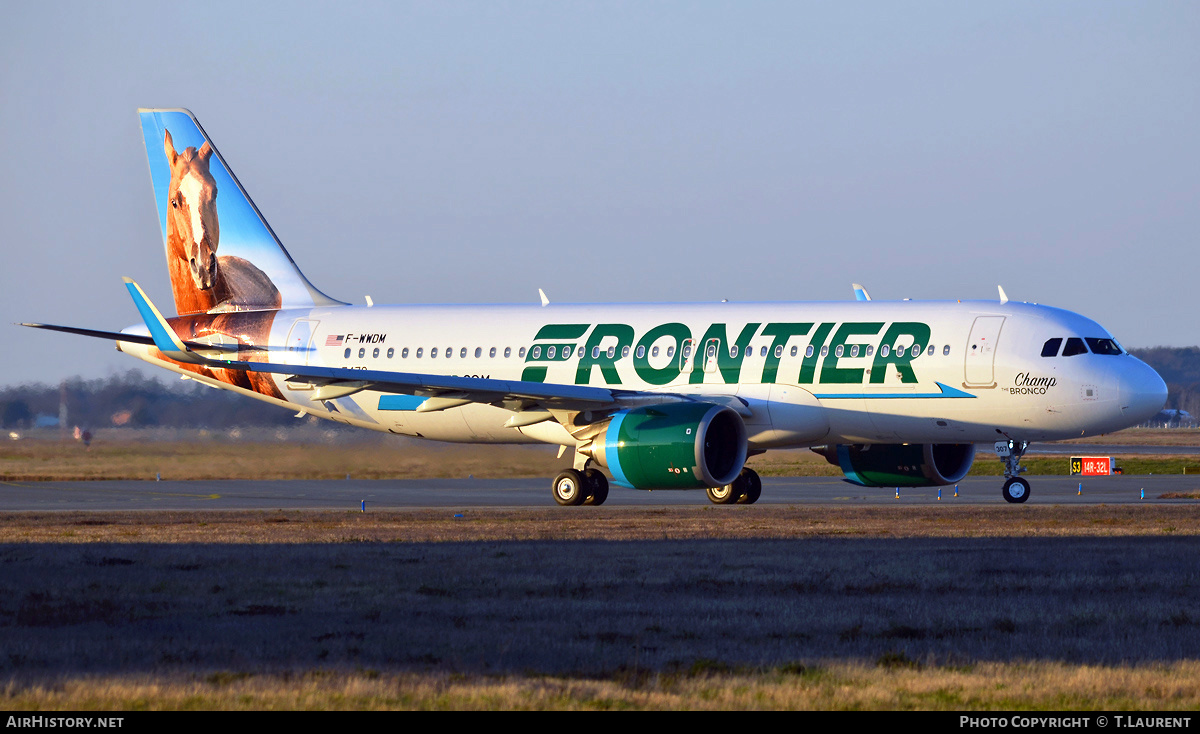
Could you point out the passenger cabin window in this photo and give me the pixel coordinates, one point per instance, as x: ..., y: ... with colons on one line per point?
x: 870, y: 350
x: 670, y: 352
x: 462, y: 352
x: 795, y: 350
x: 1050, y: 348
x: 432, y: 352
x: 537, y: 353
x: 478, y: 352
x: 362, y: 352
x: 550, y: 351
x: 762, y: 352
x: 624, y: 352
x: 507, y: 352
x: 419, y: 351
x: 808, y: 351
x: 838, y: 351
x: 404, y: 353
x: 853, y: 350
x: 641, y: 351
x: 733, y: 351
x: 825, y: 351
x: 1074, y: 346
x: 653, y: 351
x: 885, y: 350
x: 347, y: 354
x: 521, y: 354
x: 492, y: 353
x: 375, y: 353
x: 931, y: 350
x: 779, y: 351
x: 946, y: 351
x: 1104, y: 346
x: 391, y: 352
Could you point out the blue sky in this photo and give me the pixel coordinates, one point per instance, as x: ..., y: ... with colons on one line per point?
x: 445, y: 152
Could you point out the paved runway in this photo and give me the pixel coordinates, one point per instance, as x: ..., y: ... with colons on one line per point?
x: 477, y: 493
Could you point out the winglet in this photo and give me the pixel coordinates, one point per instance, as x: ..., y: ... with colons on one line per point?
x: 163, y: 335
x: 1003, y: 295
x: 545, y: 301
x: 860, y: 293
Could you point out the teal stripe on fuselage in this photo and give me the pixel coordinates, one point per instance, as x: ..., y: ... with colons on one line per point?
x: 946, y: 392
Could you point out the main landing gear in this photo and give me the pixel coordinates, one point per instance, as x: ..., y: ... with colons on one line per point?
x: 1016, y: 489
x: 575, y: 487
x: 744, y: 490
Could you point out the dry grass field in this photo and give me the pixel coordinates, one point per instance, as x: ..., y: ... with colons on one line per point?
x: 700, y: 608
x: 209, y: 456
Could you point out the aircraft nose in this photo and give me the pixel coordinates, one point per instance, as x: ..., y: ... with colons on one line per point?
x: 1143, y: 392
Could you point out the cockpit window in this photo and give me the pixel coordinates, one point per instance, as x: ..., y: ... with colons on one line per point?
x: 1104, y: 346
x: 1074, y: 346
x: 1050, y: 348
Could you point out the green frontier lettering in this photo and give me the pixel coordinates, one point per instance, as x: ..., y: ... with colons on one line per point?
x: 623, y: 333
x: 641, y: 356
x: 730, y: 366
x: 781, y: 332
x: 808, y: 367
x: 920, y: 334
x: 830, y: 372
x: 537, y: 373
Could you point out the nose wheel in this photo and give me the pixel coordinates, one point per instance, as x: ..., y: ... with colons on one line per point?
x: 1016, y: 489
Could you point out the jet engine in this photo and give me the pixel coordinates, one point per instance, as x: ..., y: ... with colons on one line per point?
x: 684, y: 445
x: 901, y: 465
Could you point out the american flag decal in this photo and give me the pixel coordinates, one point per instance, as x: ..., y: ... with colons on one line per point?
x: 334, y: 341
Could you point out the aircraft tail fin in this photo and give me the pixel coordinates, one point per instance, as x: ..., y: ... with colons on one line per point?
x: 221, y: 253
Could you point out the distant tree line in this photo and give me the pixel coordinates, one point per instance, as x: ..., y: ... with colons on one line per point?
x: 134, y: 400
x: 1180, y: 369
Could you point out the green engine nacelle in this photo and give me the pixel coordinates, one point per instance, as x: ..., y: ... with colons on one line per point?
x: 902, y: 465
x: 680, y: 445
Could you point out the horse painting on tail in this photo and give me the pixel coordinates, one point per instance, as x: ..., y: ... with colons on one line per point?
x: 221, y: 294
x: 201, y: 280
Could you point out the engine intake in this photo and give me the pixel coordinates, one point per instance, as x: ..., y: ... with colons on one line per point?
x: 682, y: 445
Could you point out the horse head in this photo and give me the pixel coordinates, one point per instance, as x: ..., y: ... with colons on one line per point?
x: 192, y: 211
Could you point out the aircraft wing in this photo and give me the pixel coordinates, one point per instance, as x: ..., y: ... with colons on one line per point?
x: 441, y: 391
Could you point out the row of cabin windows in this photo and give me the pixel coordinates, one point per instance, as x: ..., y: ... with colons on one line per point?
x: 433, y: 352
x: 854, y: 350
x: 1075, y: 346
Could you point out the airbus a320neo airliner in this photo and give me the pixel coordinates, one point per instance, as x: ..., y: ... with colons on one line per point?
x: 663, y: 396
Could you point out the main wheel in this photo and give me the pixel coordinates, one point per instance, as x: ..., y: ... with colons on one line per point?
x: 728, y: 494
x: 597, y: 487
x: 1016, y: 490
x: 752, y: 487
x: 570, y: 488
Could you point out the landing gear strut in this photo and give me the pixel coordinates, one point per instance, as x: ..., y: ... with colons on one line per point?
x: 1016, y: 489
x: 744, y: 490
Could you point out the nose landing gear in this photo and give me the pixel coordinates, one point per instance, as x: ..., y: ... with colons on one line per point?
x: 1016, y: 489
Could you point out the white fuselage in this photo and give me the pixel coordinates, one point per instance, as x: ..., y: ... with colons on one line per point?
x: 979, y: 374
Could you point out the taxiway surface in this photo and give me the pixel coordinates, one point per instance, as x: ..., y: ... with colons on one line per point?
x: 468, y: 493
